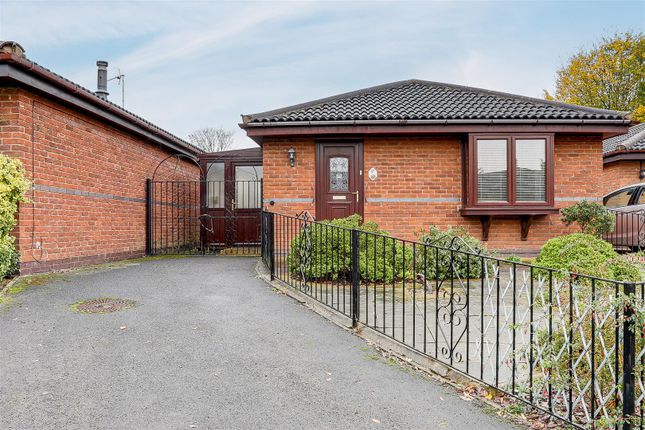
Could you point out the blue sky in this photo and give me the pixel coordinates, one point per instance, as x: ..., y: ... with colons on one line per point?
x: 192, y: 64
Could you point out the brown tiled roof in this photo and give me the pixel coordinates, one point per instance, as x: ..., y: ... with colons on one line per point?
x: 414, y: 99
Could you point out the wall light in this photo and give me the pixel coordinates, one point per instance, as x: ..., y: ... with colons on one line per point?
x: 292, y: 156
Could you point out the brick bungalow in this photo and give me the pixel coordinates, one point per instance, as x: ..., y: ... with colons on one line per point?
x: 624, y: 156
x: 88, y: 160
x: 414, y: 153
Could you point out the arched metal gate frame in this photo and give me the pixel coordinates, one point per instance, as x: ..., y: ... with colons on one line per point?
x: 186, y: 216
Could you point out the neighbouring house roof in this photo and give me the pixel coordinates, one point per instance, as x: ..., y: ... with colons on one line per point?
x: 16, y: 69
x: 417, y: 101
x: 633, y: 140
x: 234, y: 153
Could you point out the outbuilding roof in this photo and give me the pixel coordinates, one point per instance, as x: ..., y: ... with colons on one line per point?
x: 417, y: 100
x: 18, y: 69
x: 633, y: 140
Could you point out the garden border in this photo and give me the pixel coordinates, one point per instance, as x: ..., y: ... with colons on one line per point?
x: 280, y: 251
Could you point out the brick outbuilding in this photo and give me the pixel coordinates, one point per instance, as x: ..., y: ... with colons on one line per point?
x: 88, y: 160
x: 624, y: 159
x: 415, y: 153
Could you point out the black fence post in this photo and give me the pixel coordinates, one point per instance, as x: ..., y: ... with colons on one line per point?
x: 148, y: 216
x: 355, y: 279
x: 629, y: 357
x: 263, y: 238
x: 271, y: 243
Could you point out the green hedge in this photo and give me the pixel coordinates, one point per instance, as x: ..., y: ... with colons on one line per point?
x: 381, y: 258
x: 13, y: 187
x: 447, y: 264
x: 587, y: 255
x: 386, y: 259
x: 8, y: 256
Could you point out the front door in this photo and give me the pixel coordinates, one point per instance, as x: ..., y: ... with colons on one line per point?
x: 339, y: 180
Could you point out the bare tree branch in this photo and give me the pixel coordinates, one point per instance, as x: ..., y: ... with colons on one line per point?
x: 212, y: 139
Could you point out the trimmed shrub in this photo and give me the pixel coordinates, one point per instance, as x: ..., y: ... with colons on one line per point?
x: 381, y: 258
x: 454, y: 237
x: 13, y: 187
x: 438, y: 262
x: 579, y: 253
x: 8, y: 257
x: 592, y: 218
x: 622, y: 269
x: 587, y: 255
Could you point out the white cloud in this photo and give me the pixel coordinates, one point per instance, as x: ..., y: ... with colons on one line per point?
x: 50, y: 24
x: 191, y: 64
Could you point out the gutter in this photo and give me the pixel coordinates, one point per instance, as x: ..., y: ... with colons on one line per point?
x: 32, y: 74
x: 623, y: 155
x: 446, y: 122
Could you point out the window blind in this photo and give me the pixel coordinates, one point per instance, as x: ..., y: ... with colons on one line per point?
x: 530, y: 170
x: 492, y: 171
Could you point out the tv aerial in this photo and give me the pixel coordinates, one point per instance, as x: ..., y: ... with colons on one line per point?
x: 120, y: 78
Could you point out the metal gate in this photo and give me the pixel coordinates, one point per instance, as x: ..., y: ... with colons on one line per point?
x: 203, y: 217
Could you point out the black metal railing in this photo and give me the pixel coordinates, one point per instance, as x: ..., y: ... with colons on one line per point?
x: 564, y: 343
x: 628, y: 231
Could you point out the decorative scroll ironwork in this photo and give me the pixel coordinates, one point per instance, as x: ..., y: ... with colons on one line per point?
x: 304, y: 244
x: 182, y: 221
x: 558, y: 341
x: 452, y: 303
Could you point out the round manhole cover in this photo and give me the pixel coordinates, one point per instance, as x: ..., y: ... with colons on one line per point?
x: 103, y: 305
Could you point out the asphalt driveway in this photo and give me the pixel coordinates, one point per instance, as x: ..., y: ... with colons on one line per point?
x: 209, y: 346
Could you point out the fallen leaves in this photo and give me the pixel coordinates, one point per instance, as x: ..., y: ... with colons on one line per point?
x: 510, y: 408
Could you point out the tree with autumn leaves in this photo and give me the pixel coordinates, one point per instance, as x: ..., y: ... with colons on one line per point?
x: 610, y: 75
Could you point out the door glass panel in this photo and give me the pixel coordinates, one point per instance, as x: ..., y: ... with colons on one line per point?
x: 530, y: 170
x: 215, y: 185
x: 492, y: 171
x: 248, y: 190
x: 339, y: 174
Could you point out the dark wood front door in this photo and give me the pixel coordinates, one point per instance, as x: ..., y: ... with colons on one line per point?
x: 339, y: 180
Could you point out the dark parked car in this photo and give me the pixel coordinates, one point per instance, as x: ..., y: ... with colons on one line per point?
x: 628, y: 204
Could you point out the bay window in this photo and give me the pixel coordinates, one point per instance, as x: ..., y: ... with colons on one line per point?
x: 509, y: 174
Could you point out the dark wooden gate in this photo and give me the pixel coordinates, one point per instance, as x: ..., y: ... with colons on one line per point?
x: 199, y: 217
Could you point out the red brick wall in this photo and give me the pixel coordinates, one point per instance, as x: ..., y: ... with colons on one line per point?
x: 419, y: 184
x: 619, y: 174
x: 290, y: 188
x: 88, y: 204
